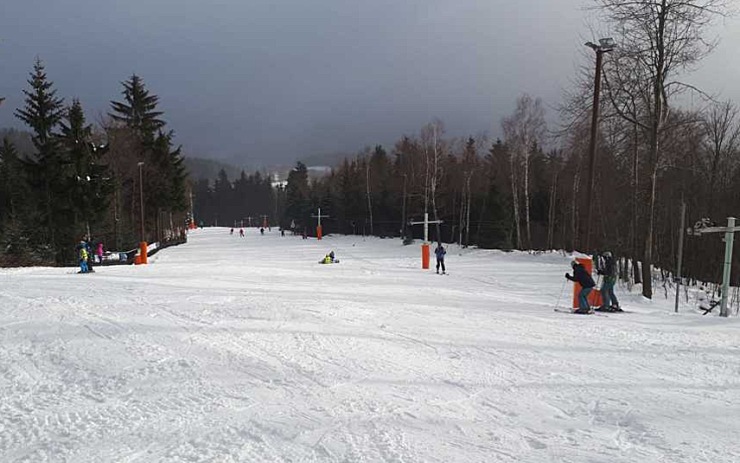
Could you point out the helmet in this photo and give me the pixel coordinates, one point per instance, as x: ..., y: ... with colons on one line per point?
x: 607, y: 254
x: 573, y: 263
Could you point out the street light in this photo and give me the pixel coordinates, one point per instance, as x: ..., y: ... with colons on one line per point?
x: 605, y: 45
x: 142, y: 245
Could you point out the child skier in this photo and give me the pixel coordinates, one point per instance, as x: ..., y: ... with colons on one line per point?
x: 83, y: 255
x: 581, y: 276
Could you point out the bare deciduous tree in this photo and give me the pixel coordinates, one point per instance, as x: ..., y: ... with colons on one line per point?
x: 721, y: 128
x: 523, y: 130
x: 658, y: 39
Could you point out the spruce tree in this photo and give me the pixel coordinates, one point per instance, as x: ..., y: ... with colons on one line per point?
x: 90, y: 183
x: 138, y: 111
x: 42, y: 112
x: 164, y: 172
x: 297, y: 207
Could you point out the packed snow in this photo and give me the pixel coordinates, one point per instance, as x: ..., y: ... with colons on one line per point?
x: 229, y: 349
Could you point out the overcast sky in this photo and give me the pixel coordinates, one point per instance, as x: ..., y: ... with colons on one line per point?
x: 264, y: 81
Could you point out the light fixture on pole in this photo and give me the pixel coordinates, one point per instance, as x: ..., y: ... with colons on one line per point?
x: 143, y: 244
x: 605, y: 45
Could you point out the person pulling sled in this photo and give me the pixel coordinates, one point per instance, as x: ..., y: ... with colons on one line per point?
x: 582, y: 277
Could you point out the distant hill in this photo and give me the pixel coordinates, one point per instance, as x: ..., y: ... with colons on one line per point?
x: 328, y: 159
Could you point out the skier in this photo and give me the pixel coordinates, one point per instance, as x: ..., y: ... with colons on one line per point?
x: 241, y: 233
x: 581, y: 276
x: 262, y: 231
x: 608, y: 270
x: 99, y: 252
x: 440, y: 253
x: 231, y: 232
x: 90, y: 255
x: 83, y: 255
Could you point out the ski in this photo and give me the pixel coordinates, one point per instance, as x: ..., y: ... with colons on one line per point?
x: 572, y: 312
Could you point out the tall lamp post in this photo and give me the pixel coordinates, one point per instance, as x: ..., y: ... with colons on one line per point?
x: 142, y: 245
x: 604, y: 46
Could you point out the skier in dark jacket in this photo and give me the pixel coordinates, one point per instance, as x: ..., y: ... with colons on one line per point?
x: 440, y: 253
x: 582, y: 277
x: 609, y: 272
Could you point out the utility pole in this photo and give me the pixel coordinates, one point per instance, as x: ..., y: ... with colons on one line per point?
x: 605, y: 46
x: 143, y: 251
x: 403, y: 213
x: 141, y: 199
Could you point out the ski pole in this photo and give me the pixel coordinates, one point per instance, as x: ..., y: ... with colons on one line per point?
x: 557, y: 306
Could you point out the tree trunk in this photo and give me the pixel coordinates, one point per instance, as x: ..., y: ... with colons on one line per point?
x: 647, y: 261
x: 551, y: 212
x: 526, y: 197
x: 467, y: 213
x: 369, y: 201
x: 515, y: 201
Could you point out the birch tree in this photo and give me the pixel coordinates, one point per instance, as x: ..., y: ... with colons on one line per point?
x: 523, y: 130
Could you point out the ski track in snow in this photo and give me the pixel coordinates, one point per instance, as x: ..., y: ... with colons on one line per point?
x: 231, y: 349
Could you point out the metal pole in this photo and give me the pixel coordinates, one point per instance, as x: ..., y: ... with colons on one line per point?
x: 141, y: 198
x: 681, y: 232
x: 592, y: 147
x: 319, y: 217
x: 403, y: 213
x: 729, y: 238
x: 426, y: 227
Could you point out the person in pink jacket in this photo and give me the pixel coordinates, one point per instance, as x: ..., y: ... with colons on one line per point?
x: 99, y: 252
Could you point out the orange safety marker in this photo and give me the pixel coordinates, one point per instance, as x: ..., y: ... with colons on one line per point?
x: 143, y: 253
x: 594, y: 297
x: 425, y: 256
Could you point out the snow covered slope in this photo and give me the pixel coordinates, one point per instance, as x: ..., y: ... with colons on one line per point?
x: 231, y: 349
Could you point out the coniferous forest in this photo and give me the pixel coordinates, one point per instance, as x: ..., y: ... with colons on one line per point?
x: 85, y: 182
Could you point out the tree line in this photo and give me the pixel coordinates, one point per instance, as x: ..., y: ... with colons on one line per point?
x: 118, y: 183
x: 652, y: 154
x: 250, y: 200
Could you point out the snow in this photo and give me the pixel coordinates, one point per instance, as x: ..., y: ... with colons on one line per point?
x: 230, y: 349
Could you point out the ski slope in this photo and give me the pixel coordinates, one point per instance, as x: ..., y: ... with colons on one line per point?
x: 231, y: 349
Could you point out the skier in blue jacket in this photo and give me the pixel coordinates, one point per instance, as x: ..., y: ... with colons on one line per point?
x: 440, y: 253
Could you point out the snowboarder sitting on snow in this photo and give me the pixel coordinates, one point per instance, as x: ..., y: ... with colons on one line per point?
x: 440, y: 253
x: 582, y: 277
x: 607, y: 268
x: 328, y: 259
